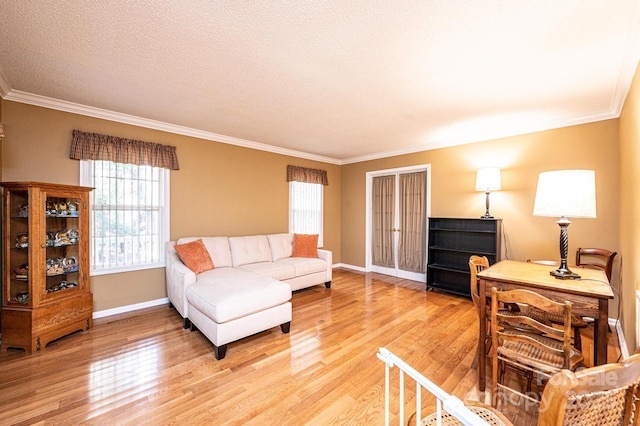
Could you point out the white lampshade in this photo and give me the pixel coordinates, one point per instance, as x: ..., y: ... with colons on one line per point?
x: 566, y: 193
x: 488, y: 179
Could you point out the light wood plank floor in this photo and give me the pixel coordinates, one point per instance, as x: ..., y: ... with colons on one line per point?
x: 144, y: 368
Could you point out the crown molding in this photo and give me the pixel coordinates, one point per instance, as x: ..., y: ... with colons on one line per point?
x: 497, y: 134
x: 618, y: 98
x: 60, y: 105
x: 629, y: 65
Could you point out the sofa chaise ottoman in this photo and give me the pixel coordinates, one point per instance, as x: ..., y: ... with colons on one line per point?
x: 233, y: 304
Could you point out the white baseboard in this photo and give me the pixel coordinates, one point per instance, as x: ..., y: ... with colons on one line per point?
x: 347, y: 266
x: 130, y: 308
x: 622, y: 343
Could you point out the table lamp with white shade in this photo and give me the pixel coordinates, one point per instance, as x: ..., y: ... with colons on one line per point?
x: 564, y: 194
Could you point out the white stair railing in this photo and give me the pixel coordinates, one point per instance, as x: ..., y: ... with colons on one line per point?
x: 449, y: 403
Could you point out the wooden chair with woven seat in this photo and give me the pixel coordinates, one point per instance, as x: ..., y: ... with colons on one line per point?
x: 577, y: 322
x: 485, y: 412
x: 596, y: 258
x: 542, y: 354
x: 604, y: 395
x: 477, y: 264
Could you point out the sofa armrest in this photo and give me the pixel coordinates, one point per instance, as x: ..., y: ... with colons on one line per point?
x: 327, y: 256
x: 178, y: 278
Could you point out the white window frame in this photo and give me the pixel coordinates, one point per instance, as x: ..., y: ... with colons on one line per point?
x: 296, y: 226
x: 86, y: 179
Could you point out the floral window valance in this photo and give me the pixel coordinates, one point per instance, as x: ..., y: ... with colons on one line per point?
x: 304, y: 174
x: 95, y: 146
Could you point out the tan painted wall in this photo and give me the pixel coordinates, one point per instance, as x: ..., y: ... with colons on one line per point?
x: 220, y: 189
x: 630, y: 208
x: 522, y: 158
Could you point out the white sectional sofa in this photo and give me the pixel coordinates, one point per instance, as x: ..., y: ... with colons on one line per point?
x: 249, y: 288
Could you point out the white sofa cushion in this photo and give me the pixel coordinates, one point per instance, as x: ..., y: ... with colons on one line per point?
x: 250, y: 249
x: 277, y: 271
x: 281, y: 245
x: 229, y: 293
x: 218, y: 248
x: 304, y: 265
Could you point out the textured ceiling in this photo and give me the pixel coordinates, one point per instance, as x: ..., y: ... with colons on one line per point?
x: 340, y: 81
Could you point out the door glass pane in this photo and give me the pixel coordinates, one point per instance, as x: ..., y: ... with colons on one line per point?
x: 412, y: 254
x: 383, y: 206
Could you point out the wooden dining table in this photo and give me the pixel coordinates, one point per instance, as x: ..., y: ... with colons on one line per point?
x: 589, y: 296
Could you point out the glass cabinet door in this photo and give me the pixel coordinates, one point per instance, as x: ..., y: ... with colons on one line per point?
x: 17, y: 250
x: 61, y: 241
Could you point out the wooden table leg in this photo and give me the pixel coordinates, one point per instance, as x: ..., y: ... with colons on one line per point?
x: 600, y: 329
x: 482, y: 362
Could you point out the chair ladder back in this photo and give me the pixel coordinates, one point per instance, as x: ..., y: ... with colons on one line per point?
x: 596, y: 258
x: 530, y: 298
x: 476, y: 265
x: 542, y: 353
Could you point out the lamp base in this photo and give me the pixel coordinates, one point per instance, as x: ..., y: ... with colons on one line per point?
x: 487, y: 215
x: 564, y: 274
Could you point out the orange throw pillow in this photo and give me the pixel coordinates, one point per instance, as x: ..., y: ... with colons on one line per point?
x: 195, y: 256
x: 305, y: 245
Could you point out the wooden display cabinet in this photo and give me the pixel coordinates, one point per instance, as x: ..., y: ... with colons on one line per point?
x: 46, y: 292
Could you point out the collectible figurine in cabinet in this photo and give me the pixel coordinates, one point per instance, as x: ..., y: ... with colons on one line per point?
x: 22, y: 240
x: 72, y: 208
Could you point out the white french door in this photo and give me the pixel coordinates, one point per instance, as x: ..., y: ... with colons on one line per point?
x: 397, y: 212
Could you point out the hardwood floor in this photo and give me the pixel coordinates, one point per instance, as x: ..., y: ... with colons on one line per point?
x: 144, y: 368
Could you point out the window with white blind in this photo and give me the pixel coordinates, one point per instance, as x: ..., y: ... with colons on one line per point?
x: 305, y: 208
x: 129, y: 215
